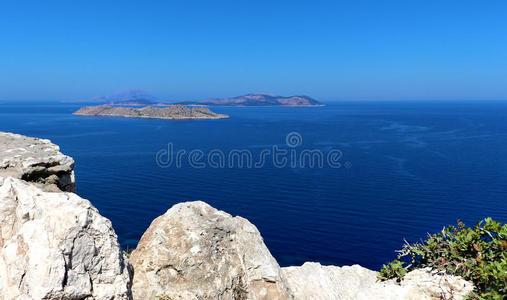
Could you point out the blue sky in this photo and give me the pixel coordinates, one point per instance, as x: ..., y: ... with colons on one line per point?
x: 331, y: 50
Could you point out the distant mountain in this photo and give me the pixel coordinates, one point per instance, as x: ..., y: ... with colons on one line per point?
x: 140, y: 102
x: 259, y: 99
x: 127, y: 97
x: 142, y: 98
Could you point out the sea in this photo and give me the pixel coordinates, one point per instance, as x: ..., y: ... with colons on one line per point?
x: 341, y: 184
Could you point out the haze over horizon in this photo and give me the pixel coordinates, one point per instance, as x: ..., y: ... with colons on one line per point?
x: 329, y: 50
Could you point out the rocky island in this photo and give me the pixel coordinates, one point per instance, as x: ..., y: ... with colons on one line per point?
x: 259, y: 99
x: 56, y: 245
x: 174, y: 112
x: 142, y: 98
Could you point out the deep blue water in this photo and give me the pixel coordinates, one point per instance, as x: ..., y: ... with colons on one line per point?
x: 414, y: 167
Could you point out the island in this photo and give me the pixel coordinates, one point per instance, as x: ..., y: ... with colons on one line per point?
x: 174, y: 112
x: 258, y: 99
x: 142, y: 98
x: 255, y: 99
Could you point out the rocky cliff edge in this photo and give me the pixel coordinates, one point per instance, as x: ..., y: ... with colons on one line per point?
x: 56, y: 245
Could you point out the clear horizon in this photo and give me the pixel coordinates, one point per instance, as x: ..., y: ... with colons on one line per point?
x: 328, y: 50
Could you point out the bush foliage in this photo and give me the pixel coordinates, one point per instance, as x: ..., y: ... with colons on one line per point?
x: 478, y: 254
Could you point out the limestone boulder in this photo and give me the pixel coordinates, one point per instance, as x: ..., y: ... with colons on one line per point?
x: 195, y: 251
x: 57, y: 246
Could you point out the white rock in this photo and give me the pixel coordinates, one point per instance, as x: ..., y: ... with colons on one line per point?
x: 313, y: 281
x: 195, y: 251
x: 428, y: 284
x: 37, y: 161
x: 57, y: 246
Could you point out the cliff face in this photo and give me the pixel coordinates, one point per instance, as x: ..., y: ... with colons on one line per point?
x: 56, y: 245
x: 37, y: 161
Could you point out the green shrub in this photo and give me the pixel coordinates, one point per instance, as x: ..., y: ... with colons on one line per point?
x: 478, y: 254
x: 392, y: 270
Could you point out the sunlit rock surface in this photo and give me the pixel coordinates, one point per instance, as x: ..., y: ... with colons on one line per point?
x: 36, y: 160
x: 313, y: 281
x: 195, y: 251
x: 57, y: 246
